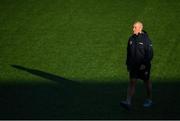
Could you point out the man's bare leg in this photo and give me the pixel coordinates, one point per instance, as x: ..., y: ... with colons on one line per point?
x: 148, y: 101
x: 148, y: 85
x: 131, y: 90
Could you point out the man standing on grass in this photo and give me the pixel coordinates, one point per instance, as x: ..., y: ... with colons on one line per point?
x: 139, y: 56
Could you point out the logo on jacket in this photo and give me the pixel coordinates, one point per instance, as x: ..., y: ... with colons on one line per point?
x: 140, y: 43
x: 130, y: 42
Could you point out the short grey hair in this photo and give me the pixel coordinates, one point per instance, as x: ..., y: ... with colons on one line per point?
x: 140, y: 23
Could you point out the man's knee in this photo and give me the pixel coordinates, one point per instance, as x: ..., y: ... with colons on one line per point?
x: 133, y: 81
x: 147, y: 81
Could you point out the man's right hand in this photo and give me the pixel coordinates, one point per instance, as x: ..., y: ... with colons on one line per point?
x: 142, y: 67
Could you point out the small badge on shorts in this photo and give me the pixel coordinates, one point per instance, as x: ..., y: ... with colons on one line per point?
x: 146, y: 73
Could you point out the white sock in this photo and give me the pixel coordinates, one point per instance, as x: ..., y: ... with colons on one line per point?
x: 128, y: 100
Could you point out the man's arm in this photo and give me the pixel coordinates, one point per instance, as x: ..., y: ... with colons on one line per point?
x: 128, y: 55
x: 148, y: 51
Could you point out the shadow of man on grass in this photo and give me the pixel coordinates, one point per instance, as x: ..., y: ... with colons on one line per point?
x: 69, y: 99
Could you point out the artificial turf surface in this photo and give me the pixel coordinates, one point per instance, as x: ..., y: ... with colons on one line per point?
x: 65, y: 59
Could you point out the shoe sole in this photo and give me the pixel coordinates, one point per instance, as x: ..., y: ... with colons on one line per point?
x: 125, y: 106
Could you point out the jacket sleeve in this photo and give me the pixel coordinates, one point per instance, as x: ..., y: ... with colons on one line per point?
x: 128, y: 55
x: 148, y: 51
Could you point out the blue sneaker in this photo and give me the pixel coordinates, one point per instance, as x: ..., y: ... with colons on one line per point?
x: 147, y: 103
x: 125, y: 105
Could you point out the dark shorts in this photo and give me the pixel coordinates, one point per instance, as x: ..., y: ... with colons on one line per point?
x: 136, y: 73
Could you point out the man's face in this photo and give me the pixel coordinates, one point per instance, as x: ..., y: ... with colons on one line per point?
x: 137, y: 28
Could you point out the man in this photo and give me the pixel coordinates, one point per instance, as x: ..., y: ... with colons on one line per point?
x: 139, y: 56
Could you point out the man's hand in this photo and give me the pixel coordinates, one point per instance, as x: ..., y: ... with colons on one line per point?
x: 142, y: 67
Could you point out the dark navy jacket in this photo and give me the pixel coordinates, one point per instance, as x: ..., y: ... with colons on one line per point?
x: 139, y: 50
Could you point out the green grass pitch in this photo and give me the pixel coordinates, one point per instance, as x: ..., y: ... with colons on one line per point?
x: 65, y: 59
